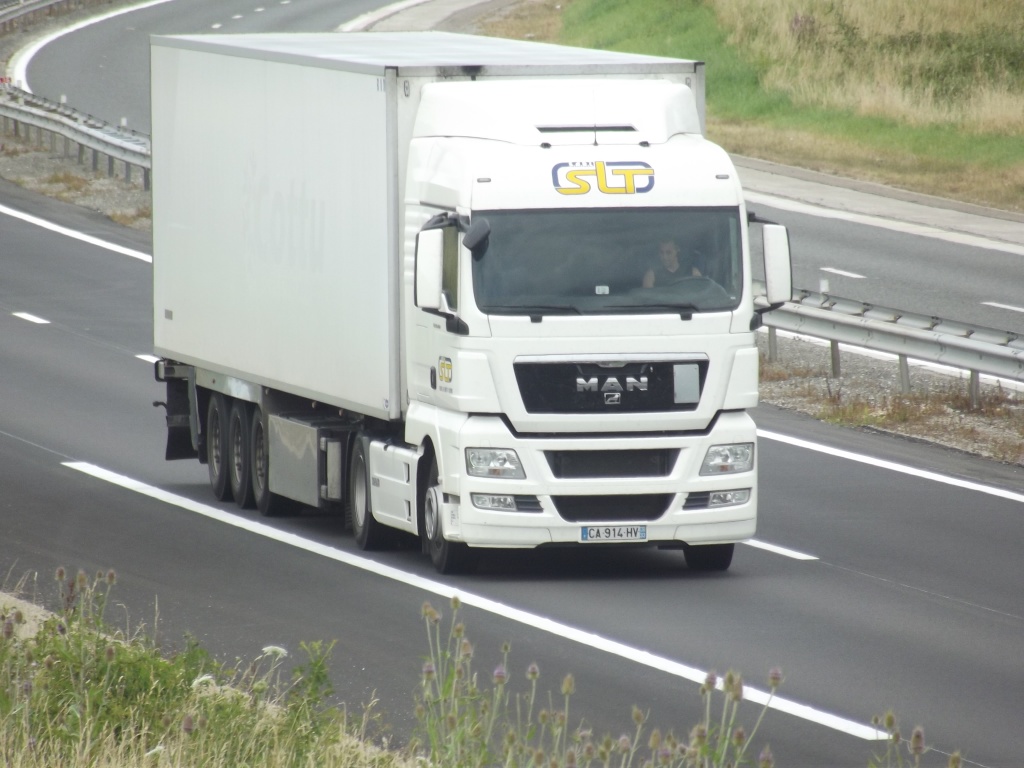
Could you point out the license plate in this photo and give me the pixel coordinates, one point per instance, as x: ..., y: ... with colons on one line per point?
x: 592, y: 533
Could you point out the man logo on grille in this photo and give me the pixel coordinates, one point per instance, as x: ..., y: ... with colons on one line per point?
x: 611, y: 388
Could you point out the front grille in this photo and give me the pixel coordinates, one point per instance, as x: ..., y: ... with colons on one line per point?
x: 606, y: 509
x: 574, y: 465
x: 590, y: 387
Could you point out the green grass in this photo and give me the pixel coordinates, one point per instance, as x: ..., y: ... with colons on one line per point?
x: 798, y: 103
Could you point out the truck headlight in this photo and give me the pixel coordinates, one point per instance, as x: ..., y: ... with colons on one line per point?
x: 494, y: 462
x: 726, y: 459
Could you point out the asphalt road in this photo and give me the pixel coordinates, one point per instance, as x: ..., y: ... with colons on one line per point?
x: 911, y: 599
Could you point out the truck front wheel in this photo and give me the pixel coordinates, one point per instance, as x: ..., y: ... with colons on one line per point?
x: 217, y: 446
x: 369, y: 534
x: 447, y: 556
x: 709, y: 557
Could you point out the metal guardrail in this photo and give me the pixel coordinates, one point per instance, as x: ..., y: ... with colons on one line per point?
x: 909, y: 336
x: 976, y: 349
x: 81, y: 134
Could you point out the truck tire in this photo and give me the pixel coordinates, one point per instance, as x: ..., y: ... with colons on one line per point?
x: 447, y: 556
x: 269, y: 504
x: 240, y: 454
x: 368, y: 532
x: 710, y: 557
x: 217, y: 446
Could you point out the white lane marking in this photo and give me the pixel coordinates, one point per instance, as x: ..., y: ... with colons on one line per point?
x: 20, y: 62
x: 148, y: 358
x: 997, y: 305
x: 842, y: 273
x: 28, y: 218
x: 779, y: 550
x: 361, y: 22
x: 31, y: 318
x: 892, y: 465
x: 541, y: 623
x: 895, y: 225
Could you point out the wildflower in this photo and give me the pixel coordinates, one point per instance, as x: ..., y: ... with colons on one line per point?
x: 654, y: 742
x: 568, y: 685
x: 276, y: 651
x: 59, y: 574
x: 456, y: 602
x: 917, y: 746
x: 500, y: 676
x: 624, y: 744
x: 111, y: 578
x: 532, y: 672
x: 429, y: 671
x: 766, y: 760
x: 459, y: 629
x: 710, y: 683
x: 736, y: 689
x: 467, y: 648
x: 774, y: 678
x: 82, y: 579
x: 955, y: 761
x: 639, y: 717
x: 739, y: 737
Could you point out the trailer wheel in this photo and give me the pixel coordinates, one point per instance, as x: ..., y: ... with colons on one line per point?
x: 269, y: 504
x: 447, y: 556
x: 239, y: 455
x: 217, y: 446
x: 368, y: 532
x: 710, y: 557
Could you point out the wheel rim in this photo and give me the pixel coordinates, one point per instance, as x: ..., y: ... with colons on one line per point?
x: 216, y: 447
x: 359, y: 494
x: 259, y: 460
x: 237, y: 469
x: 431, y: 515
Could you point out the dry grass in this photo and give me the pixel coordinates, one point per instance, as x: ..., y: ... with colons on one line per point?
x: 957, y: 67
x: 928, y: 62
x: 953, y: 178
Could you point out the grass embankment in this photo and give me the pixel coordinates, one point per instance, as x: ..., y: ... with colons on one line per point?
x: 76, y: 692
x: 927, y: 96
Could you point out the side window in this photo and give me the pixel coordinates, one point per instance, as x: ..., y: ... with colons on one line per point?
x: 450, y: 268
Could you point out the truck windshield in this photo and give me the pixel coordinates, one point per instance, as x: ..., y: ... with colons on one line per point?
x: 610, y: 261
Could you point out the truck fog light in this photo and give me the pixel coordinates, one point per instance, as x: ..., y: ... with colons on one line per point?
x: 727, y: 498
x: 494, y: 462
x: 494, y: 501
x: 725, y: 459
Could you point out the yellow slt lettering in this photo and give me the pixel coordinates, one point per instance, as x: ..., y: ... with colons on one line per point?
x: 576, y: 176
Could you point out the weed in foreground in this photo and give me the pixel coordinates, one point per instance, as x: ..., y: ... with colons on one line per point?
x: 463, y: 725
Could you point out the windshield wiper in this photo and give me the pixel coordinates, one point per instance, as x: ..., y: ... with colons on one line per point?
x: 685, y: 310
x: 535, y: 311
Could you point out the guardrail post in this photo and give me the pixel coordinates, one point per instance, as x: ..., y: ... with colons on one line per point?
x: 145, y: 179
x: 904, y: 375
x: 773, y: 344
x: 834, y: 347
x: 974, y: 390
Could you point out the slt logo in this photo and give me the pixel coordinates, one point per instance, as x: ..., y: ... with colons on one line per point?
x: 619, y: 178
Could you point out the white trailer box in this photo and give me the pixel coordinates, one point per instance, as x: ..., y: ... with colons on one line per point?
x: 278, y: 177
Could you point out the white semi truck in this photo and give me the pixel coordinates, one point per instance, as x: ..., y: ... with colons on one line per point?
x: 427, y: 281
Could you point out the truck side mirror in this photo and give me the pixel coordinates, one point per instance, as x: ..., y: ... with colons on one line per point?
x: 778, y: 272
x: 477, y: 237
x: 429, y: 259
